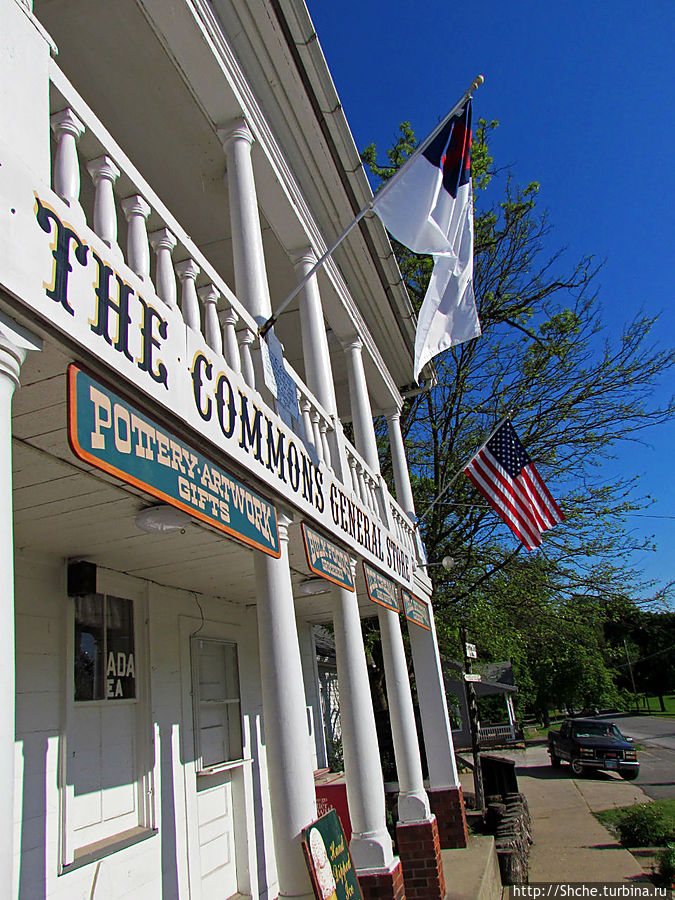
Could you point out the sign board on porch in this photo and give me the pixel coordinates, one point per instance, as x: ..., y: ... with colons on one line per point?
x: 471, y: 651
x: 416, y: 610
x: 380, y: 589
x: 327, y: 559
x: 111, y: 434
x: 329, y: 861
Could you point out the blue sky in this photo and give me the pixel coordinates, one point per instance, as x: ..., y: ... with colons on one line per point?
x: 585, y: 97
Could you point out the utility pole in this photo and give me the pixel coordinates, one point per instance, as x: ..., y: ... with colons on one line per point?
x: 632, y: 678
x: 473, y: 722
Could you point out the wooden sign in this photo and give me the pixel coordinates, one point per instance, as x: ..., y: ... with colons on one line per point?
x: 326, y: 559
x: 380, y: 589
x: 108, y: 432
x: 329, y: 860
x: 416, y: 610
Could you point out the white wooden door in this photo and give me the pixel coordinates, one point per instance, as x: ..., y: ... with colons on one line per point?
x: 215, y: 816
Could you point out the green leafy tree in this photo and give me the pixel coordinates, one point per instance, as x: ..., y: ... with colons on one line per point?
x: 574, y: 389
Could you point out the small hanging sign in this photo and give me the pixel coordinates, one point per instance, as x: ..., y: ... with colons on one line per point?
x: 327, y: 559
x: 108, y: 432
x: 380, y: 589
x: 416, y: 610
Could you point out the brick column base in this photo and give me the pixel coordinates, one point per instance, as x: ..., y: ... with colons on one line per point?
x: 420, y: 850
x: 382, y: 884
x: 448, y: 807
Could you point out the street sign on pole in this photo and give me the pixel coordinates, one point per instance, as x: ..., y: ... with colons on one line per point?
x: 470, y: 676
x: 471, y: 651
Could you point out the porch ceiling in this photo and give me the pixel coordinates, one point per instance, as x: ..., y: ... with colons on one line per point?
x: 67, y: 509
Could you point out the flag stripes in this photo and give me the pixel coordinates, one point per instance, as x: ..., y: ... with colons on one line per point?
x: 507, y: 478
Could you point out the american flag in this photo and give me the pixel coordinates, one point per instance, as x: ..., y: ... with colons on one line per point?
x: 508, y: 479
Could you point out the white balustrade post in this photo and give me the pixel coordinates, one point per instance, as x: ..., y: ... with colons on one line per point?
x: 307, y: 421
x: 362, y: 416
x: 246, y: 339
x: 316, y: 431
x: 104, y: 173
x: 400, y: 464
x: 187, y: 271
x: 229, y: 321
x: 67, y: 130
x: 413, y: 803
x: 136, y: 211
x: 315, y: 352
x: 212, y: 335
x: 163, y: 243
x: 250, y: 275
x: 323, y: 428
x: 371, y: 845
x: 289, y: 762
x: 438, y: 744
x: 354, y: 475
x: 14, y: 343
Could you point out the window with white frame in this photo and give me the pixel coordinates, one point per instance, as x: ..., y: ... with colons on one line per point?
x: 107, y: 784
x: 217, y: 704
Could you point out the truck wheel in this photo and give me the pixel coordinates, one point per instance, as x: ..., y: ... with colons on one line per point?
x: 630, y: 774
x: 555, y: 761
x: 577, y: 768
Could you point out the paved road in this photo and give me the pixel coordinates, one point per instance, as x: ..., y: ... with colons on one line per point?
x: 657, y: 759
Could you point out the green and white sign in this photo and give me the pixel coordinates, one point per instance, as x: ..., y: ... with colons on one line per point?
x: 110, y: 433
x: 326, y: 559
x: 380, y: 589
x: 329, y: 861
x: 416, y: 610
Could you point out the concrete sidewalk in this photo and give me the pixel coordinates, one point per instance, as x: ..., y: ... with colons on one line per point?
x: 569, y: 843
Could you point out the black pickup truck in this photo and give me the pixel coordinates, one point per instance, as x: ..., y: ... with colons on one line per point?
x: 593, y: 744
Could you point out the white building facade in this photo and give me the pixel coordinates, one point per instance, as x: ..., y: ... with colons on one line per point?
x: 180, y: 504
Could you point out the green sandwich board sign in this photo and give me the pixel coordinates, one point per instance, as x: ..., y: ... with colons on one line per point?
x: 108, y: 432
x: 329, y: 860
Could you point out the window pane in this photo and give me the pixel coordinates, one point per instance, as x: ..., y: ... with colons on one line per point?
x: 218, y: 708
x: 120, y: 671
x: 89, y: 647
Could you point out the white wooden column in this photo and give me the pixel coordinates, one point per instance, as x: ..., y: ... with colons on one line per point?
x: 362, y: 415
x: 438, y: 744
x: 14, y: 342
x: 289, y: 762
x: 250, y: 274
x: 413, y: 803
x: 399, y: 463
x: 318, y: 369
x: 371, y: 845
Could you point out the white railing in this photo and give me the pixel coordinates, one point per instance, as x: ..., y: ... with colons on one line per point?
x: 404, y: 529
x: 80, y: 140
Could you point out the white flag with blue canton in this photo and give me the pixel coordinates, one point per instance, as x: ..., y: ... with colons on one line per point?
x: 429, y: 209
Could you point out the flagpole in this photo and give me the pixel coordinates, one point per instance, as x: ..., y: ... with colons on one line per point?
x: 265, y: 327
x: 454, y: 478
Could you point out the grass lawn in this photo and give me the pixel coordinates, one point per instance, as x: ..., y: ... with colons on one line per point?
x: 611, y: 818
x: 652, y: 705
